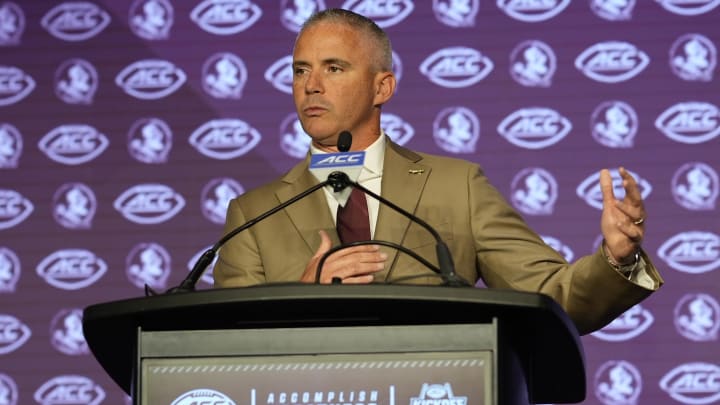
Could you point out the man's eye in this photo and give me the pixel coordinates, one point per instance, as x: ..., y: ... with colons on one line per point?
x: 335, y: 69
x: 299, y: 71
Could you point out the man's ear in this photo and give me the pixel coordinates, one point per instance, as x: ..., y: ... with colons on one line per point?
x: 384, y: 87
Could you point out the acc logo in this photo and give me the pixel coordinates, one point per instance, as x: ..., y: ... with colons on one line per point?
x: 293, y: 13
x: 280, y: 74
x: 74, y: 206
x: 150, y: 79
x: 8, y: 388
x: 630, y: 324
x: 590, y: 191
x: 76, y: 81
x: 690, y: 122
x: 685, y: 7
x: 149, y: 203
x: 533, y: 64
x: 534, y: 191
x: 293, y: 139
x: 207, y: 276
x: 614, y: 124
x: 13, y: 333
x: 618, y: 382
x: 73, y: 144
x: 12, y: 23
x: 697, y: 317
x: 456, y: 130
x: 695, y: 186
x: 399, y: 130
x: 70, y: 389
x: 693, y: 383
x: 534, y: 127
x: 692, y: 252
x: 612, y: 61
x: 225, y: 17
x: 151, y: 19
x: 559, y: 247
x: 203, y: 396
x: 75, y: 20
x: 148, y: 264
x: 150, y: 140
x: 693, y: 57
x: 224, y: 76
x: 14, y: 208
x: 9, y: 270
x: 384, y: 13
x: 225, y: 139
x: 216, y: 196
x: 532, y: 11
x: 437, y: 394
x: 612, y: 9
x: 456, y: 67
x: 456, y: 14
x: 66, y: 332
x: 11, y: 142
x: 71, y: 269
x: 14, y: 85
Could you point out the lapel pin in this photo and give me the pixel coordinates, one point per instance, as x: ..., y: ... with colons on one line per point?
x: 416, y: 171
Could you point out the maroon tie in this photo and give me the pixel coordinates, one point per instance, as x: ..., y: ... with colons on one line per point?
x: 353, y: 222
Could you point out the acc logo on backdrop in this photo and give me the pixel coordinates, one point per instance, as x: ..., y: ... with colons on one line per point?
x: 533, y: 64
x: 8, y: 388
x: 9, y: 270
x: 150, y: 140
x: 455, y: 13
x: 692, y: 252
x: 456, y: 67
x: 225, y: 17
x: 11, y: 145
x: 148, y: 264
x: 617, y: 382
x: 384, y: 13
x: 75, y: 20
x: 73, y: 144
x: 399, y: 130
x: 74, y: 206
x: 693, y: 383
x: 14, y: 85
x: 280, y: 74
x: 224, y: 76
x: 294, y: 13
x: 695, y: 186
x: 216, y: 196
x: 589, y: 189
x: 13, y: 333
x: 76, y: 81
x: 70, y: 389
x: 631, y: 324
x: 685, y: 7
x: 690, y: 122
x: 532, y: 11
x: 612, y: 61
x: 614, y: 124
x: 151, y: 19
x: 534, y: 127
x: 613, y: 10
x: 293, y: 139
x: 437, y: 394
x: 148, y: 204
x: 693, y: 57
x: 559, y: 247
x: 150, y: 79
x: 534, y: 191
x: 66, y: 332
x: 12, y: 23
x: 71, y: 269
x: 14, y: 208
x: 207, y: 276
x: 456, y: 130
x: 225, y: 138
x: 697, y: 317
x: 203, y: 396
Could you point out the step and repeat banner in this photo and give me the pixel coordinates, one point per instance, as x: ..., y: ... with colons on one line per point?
x: 127, y: 126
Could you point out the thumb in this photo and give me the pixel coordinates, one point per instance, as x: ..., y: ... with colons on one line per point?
x: 606, y: 186
x: 325, y: 243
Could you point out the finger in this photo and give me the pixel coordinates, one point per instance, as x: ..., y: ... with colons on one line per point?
x: 631, y: 231
x: 606, y: 186
x: 362, y: 279
x: 632, y: 191
x: 633, y: 214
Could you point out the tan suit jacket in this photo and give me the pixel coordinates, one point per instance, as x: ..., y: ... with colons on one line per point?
x: 486, y: 236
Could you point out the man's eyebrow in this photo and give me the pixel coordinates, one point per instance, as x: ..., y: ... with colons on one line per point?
x: 325, y: 62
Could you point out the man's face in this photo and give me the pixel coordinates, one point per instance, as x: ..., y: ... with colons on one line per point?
x: 334, y: 87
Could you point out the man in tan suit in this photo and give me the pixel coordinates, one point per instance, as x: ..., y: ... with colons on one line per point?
x: 342, y: 77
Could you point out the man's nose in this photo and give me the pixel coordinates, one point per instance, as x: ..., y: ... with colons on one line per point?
x: 313, y: 84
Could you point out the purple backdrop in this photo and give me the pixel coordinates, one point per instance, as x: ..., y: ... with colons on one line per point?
x: 125, y: 127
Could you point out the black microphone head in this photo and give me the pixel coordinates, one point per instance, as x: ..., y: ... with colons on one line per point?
x: 344, y: 141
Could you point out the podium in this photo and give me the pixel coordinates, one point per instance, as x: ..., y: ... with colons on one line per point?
x: 326, y: 344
